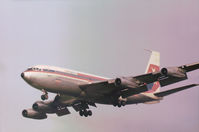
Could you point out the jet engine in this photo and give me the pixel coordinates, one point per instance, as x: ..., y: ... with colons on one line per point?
x: 173, y: 71
x: 122, y: 82
x: 30, y: 113
x: 42, y: 106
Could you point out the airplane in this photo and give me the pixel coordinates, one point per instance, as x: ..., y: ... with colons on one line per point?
x: 80, y: 90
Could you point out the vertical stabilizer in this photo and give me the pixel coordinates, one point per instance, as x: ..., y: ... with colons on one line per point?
x: 153, y: 66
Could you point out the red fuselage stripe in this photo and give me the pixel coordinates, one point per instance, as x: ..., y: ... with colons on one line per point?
x: 76, y: 77
x: 89, y: 76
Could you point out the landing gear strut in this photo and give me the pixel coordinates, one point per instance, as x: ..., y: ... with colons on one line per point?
x: 44, y: 96
x: 85, y: 113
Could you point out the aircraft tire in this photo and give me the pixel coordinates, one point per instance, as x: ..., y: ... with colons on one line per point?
x: 81, y: 113
x: 43, y: 97
x: 85, y: 113
x: 119, y: 104
x: 90, y: 113
x: 123, y: 103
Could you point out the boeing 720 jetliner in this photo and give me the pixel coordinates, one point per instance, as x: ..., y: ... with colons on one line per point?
x: 80, y: 90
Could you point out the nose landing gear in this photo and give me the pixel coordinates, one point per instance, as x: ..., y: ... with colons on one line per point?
x: 44, y: 96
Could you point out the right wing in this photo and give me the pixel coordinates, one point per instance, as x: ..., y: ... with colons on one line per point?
x: 69, y: 101
x: 58, y: 106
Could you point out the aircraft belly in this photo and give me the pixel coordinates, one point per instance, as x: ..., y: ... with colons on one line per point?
x: 68, y: 86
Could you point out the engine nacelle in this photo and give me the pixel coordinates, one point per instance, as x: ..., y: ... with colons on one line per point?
x: 173, y: 71
x: 46, y: 106
x: 122, y: 82
x: 30, y: 113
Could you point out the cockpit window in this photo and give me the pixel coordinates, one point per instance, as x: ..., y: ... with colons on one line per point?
x: 29, y: 69
x: 33, y: 69
x: 38, y: 69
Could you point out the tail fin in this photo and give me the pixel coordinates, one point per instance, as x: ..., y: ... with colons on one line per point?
x: 153, y: 66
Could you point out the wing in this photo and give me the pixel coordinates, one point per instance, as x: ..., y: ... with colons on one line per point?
x: 170, y: 75
x: 168, y: 92
x: 127, y: 86
x: 190, y: 67
x: 69, y: 101
x: 115, y: 87
x: 58, y: 106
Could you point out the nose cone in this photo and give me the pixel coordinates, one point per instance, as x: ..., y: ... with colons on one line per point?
x: 26, y: 76
x: 22, y: 75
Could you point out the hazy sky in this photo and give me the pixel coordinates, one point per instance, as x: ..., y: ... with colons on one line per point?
x: 103, y: 37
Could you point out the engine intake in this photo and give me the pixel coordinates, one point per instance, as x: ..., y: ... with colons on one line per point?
x: 118, y: 82
x: 30, y: 113
x: 46, y: 107
x: 123, y: 82
x: 164, y: 71
x: 173, y: 71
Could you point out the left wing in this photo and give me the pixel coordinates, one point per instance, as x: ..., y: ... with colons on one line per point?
x: 127, y: 86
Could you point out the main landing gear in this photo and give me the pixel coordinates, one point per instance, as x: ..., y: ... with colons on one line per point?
x: 85, y: 113
x: 44, y: 96
x: 120, y: 102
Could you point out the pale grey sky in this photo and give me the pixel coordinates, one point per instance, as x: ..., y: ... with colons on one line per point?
x: 106, y: 38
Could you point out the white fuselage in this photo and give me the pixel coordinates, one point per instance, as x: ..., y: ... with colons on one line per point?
x: 58, y: 80
x: 68, y: 82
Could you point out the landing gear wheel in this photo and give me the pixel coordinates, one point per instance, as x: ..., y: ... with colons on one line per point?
x: 81, y: 113
x: 123, y: 103
x: 90, y: 113
x: 44, y: 97
x: 119, y: 104
x: 85, y: 113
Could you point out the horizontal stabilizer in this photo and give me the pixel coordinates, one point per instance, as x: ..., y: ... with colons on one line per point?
x: 168, y: 92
